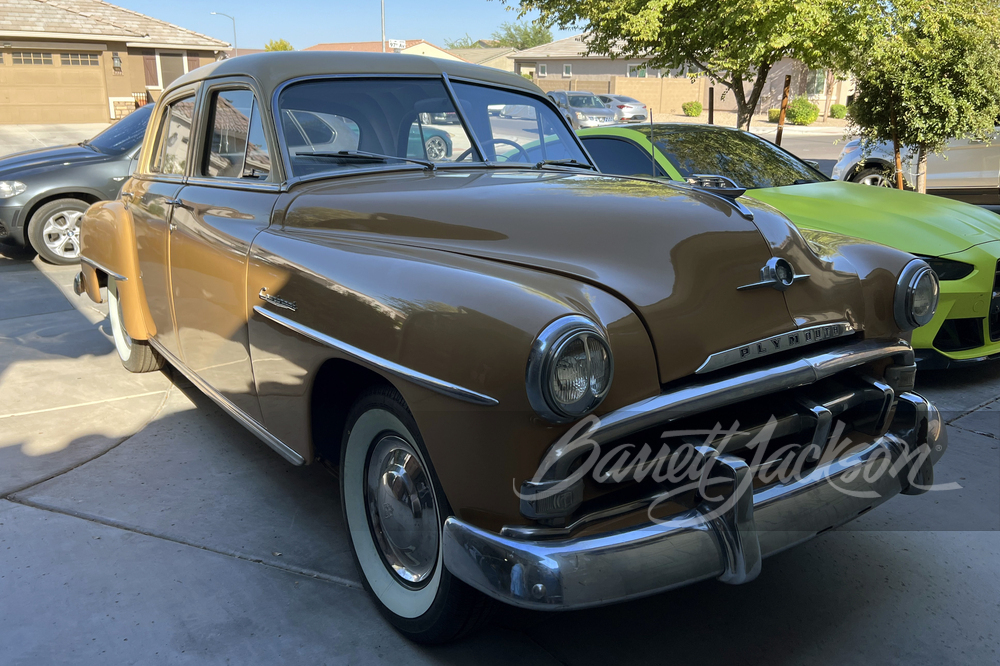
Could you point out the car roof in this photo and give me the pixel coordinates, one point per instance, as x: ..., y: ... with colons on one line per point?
x: 270, y: 70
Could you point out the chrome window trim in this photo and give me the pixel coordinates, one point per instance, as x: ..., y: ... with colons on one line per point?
x: 234, y: 184
x: 107, y: 271
x: 433, y: 383
x: 466, y: 125
x: 222, y: 401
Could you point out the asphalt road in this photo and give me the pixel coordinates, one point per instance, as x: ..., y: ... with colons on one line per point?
x: 823, y: 148
x: 139, y: 524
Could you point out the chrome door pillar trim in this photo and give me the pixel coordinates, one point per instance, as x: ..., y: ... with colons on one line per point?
x: 461, y: 116
x: 419, y: 378
x: 245, y: 420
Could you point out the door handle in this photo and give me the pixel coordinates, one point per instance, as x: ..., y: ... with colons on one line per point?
x: 128, y: 195
x: 177, y: 203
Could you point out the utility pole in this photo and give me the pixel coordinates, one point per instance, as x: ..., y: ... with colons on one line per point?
x: 383, y: 26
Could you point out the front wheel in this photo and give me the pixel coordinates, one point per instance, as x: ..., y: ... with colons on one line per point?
x: 874, y: 176
x: 136, y: 355
x: 394, y: 512
x: 437, y: 148
x: 54, y: 231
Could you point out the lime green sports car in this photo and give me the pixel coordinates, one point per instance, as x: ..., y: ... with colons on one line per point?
x: 960, y: 241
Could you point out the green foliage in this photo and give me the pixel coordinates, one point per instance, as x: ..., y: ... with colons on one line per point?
x: 801, y: 111
x: 773, y: 115
x: 692, y: 109
x: 928, y: 72
x: 522, y: 35
x: 735, y: 43
x: 527, y: 76
x: 838, y: 111
x: 462, y: 43
x: 278, y: 45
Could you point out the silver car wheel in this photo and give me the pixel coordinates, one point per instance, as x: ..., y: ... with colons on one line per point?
x: 436, y: 148
x: 401, y: 510
x: 61, y: 233
x: 875, y: 180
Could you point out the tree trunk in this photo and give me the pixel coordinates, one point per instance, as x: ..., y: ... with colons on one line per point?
x: 831, y: 80
x: 895, y: 151
x: 745, y: 106
x: 922, y: 169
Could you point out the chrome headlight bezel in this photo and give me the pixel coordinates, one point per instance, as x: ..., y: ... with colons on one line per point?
x: 11, y: 188
x: 546, y: 351
x: 910, y: 279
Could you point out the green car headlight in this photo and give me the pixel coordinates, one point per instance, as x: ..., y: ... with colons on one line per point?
x: 949, y: 269
x: 917, y: 292
x: 11, y: 188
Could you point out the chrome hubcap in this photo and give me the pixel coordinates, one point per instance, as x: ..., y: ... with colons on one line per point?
x: 875, y: 180
x: 436, y: 148
x: 401, y: 510
x: 61, y: 233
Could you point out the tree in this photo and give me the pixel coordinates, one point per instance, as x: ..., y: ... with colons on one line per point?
x: 462, y: 43
x: 522, y: 35
x: 278, y: 45
x: 735, y: 43
x: 926, y: 73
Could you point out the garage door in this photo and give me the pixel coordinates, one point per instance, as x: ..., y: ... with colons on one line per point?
x: 52, y: 87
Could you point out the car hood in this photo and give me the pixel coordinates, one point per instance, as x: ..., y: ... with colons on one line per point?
x: 912, y: 222
x: 11, y: 166
x: 677, y: 258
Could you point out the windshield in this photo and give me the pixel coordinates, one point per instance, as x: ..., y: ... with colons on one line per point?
x: 389, y: 121
x: 585, y: 102
x: 747, y: 160
x: 125, y: 134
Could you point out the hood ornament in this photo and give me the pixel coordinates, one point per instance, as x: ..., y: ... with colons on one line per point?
x: 778, y: 274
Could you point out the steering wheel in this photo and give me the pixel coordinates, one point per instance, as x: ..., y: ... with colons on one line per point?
x: 520, y: 150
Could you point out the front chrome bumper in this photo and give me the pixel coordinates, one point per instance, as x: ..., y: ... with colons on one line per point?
x: 616, y: 566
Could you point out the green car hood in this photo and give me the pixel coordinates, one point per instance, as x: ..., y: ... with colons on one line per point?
x: 916, y: 223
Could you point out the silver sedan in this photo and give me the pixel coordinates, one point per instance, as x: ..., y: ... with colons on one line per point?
x: 626, y: 109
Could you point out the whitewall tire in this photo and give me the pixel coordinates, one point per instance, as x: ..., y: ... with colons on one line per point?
x: 136, y: 355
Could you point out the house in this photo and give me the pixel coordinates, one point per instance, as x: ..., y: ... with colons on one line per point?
x: 563, y: 65
x: 88, y: 61
x: 497, y: 58
x: 413, y: 47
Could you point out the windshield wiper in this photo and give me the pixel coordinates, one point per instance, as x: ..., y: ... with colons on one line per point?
x: 570, y: 163
x: 364, y: 155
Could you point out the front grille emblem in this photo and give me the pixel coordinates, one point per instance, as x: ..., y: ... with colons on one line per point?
x: 778, y: 274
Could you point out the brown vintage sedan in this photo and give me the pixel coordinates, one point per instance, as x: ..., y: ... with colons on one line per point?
x: 526, y: 402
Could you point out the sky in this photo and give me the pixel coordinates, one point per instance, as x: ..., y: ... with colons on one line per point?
x: 308, y: 22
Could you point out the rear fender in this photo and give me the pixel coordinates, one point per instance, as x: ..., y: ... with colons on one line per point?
x: 108, y: 250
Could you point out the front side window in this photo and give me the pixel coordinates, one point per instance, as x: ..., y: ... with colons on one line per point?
x: 527, y: 131
x: 747, y: 160
x: 124, y: 135
x: 230, y: 129
x: 620, y: 157
x: 174, y: 138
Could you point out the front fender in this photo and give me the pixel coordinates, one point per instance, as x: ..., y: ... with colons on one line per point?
x: 108, y: 249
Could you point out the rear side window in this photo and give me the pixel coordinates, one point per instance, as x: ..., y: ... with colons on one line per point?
x: 619, y: 157
x: 174, y: 138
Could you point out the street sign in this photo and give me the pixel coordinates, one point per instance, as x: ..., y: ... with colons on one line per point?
x: 397, y: 43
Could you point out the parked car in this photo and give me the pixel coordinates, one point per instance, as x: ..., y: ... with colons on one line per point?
x: 626, y: 109
x: 44, y: 192
x: 967, y: 170
x: 961, y: 242
x: 325, y: 132
x: 582, y: 109
x: 441, y: 328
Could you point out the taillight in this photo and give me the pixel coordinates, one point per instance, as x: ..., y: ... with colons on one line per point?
x: 621, y: 106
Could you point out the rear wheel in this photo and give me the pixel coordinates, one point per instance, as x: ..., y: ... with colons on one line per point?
x: 394, y: 510
x: 437, y: 148
x: 54, y: 230
x: 136, y: 355
x: 874, y: 176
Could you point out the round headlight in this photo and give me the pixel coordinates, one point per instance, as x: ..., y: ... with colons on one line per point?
x: 917, y: 292
x: 569, y: 369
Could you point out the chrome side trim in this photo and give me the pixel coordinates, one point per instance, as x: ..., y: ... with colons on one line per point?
x: 703, y: 396
x: 781, y: 342
x: 276, y: 301
x: 104, y: 269
x: 419, y: 378
x: 244, y: 420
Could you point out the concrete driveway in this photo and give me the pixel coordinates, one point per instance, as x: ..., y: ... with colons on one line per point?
x: 17, y: 138
x: 140, y: 524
